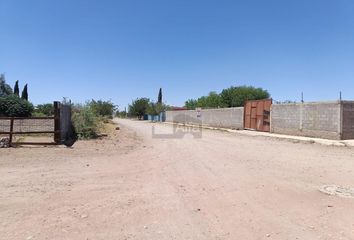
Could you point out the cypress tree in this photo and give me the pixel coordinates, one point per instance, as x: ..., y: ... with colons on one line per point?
x: 25, y: 93
x: 16, y: 89
x: 159, y: 99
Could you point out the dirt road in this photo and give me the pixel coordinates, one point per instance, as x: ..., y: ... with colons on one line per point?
x: 133, y: 186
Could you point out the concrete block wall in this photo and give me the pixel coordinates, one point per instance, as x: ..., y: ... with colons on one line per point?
x: 220, y: 117
x: 331, y: 120
x: 319, y: 119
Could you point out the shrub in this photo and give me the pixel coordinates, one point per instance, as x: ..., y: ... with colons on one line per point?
x: 44, y: 110
x: 85, y: 122
x: 13, y: 106
x: 103, y: 108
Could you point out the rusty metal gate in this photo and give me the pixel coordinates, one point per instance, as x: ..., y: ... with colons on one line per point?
x: 257, y: 115
x: 59, y: 127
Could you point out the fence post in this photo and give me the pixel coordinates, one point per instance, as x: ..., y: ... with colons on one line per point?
x: 57, y: 137
x: 11, y: 130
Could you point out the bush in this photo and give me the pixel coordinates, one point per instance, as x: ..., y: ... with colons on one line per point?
x: 13, y: 106
x: 103, y: 108
x: 88, y: 118
x: 44, y: 110
x: 85, y: 122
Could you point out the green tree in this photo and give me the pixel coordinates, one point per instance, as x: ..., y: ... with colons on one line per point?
x: 155, y: 108
x: 16, y: 89
x: 237, y: 96
x: 24, y: 94
x: 103, y: 108
x: 159, y: 98
x: 160, y: 107
x: 230, y: 97
x: 5, y: 89
x: 151, y: 110
x: 121, y: 114
x: 191, y: 104
x: 13, y: 106
x: 202, y: 102
x: 139, y: 107
x: 46, y: 109
x: 213, y: 100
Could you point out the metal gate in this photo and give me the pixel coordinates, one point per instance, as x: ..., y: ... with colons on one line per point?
x: 257, y: 115
x: 58, y: 127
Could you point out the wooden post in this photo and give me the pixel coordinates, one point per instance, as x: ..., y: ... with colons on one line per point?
x: 11, y: 130
x: 57, y: 137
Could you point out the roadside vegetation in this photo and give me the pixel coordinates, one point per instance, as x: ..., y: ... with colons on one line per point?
x: 234, y: 96
x: 143, y: 106
x: 122, y: 114
x: 44, y: 110
x: 139, y: 107
x: 89, y: 119
x: 11, y: 104
x: 229, y: 97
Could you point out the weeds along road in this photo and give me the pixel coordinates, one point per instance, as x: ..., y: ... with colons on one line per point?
x: 134, y: 186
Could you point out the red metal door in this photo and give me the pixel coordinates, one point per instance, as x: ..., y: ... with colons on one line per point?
x: 257, y: 115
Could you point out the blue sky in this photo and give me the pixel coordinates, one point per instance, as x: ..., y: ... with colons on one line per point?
x: 121, y: 50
